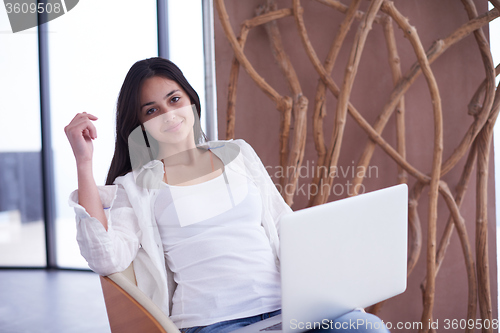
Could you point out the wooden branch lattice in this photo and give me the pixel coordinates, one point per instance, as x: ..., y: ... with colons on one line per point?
x: 476, y: 142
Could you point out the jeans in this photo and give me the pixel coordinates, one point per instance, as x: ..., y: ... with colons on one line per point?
x: 354, y: 321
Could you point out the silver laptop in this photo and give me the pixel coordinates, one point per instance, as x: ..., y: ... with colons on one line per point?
x: 340, y: 256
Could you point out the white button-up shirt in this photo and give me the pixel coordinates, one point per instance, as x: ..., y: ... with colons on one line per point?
x: 132, y: 234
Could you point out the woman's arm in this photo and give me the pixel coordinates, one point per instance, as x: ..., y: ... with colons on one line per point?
x: 112, y: 250
x: 80, y: 132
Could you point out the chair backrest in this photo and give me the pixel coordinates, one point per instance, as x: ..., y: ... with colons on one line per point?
x: 129, y: 309
x: 130, y: 274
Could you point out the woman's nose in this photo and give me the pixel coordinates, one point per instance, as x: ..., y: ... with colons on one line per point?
x: 167, y: 115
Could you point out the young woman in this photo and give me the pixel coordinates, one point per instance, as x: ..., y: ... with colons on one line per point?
x: 199, y: 220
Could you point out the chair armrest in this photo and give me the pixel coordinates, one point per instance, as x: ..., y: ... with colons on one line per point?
x: 130, y: 310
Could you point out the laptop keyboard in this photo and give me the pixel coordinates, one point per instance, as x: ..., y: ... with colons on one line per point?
x: 275, y: 327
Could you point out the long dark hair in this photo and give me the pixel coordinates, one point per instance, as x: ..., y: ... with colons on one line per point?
x: 128, y: 105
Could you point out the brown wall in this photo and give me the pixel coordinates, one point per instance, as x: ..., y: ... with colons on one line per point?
x: 459, y: 71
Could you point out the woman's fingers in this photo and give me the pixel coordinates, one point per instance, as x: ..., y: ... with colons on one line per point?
x: 90, y: 116
x: 91, y: 130
x: 80, y: 132
x: 82, y: 125
x: 86, y: 135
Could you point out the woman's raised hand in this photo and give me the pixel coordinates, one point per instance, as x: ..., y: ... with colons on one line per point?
x: 80, y: 132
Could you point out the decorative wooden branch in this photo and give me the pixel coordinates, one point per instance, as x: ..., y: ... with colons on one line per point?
x: 395, y: 64
x: 299, y: 109
x: 411, y: 34
x: 469, y: 259
x: 320, y: 98
x: 333, y: 152
x: 476, y: 142
x: 483, y: 153
x: 233, y: 78
x: 408, y: 79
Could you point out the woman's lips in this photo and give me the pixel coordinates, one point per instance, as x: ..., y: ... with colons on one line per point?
x: 173, y: 128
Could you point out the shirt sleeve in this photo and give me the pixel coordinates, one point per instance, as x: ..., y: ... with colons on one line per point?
x: 113, y: 250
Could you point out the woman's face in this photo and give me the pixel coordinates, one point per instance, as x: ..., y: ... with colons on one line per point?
x: 166, y: 111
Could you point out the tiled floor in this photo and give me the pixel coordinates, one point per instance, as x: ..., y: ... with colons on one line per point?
x: 40, y: 301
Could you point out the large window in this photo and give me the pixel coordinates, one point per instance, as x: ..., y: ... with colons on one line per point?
x: 22, y: 233
x: 185, y: 24
x: 88, y: 53
x: 91, y: 49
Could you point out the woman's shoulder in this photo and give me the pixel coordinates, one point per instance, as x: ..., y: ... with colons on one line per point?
x: 147, y: 177
x: 235, y: 144
x: 238, y: 142
x: 124, y: 179
x: 228, y: 150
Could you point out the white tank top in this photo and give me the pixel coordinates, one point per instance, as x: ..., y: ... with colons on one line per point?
x: 216, y: 247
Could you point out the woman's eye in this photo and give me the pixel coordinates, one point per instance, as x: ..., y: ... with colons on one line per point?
x: 150, y: 111
x: 175, y: 99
